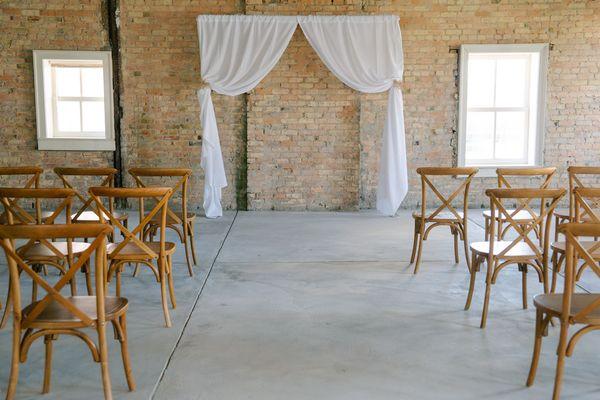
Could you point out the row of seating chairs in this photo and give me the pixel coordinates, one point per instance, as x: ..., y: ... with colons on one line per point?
x: 34, y: 241
x: 525, y: 213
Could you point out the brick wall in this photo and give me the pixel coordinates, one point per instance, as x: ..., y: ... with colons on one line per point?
x: 310, y: 142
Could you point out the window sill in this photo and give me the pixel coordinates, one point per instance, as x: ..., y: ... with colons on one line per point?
x: 76, y: 144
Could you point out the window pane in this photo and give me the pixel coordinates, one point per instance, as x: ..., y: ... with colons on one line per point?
x: 511, y: 82
x: 67, y: 115
x: 93, y: 116
x: 511, y: 128
x: 67, y: 81
x: 93, y: 82
x: 480, y: 136
x: 480, y: 91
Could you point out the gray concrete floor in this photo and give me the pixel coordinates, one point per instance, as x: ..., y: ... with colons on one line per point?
x: 321, y: 306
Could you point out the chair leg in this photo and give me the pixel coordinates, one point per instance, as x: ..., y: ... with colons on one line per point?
x: 560, y: 363
x: 486, y: 300
x: 125, y: 353
x: 163, y: 290
x: 537, y: 347
x: 7, y: 306
x: 103, y: 353
x: 486, y: 229
x: 555, y: 271
x: 118, y: 279
x: 88, y: 278
x: 48, y: 339
x: 455, y: 234
x: 14, y: 363
x: 186, y: 246
x: 523, y: 268
x: 474, y: 268
x: 414, y: 246
x: 170, y: 278
x: 191, y: 240
x: 419, y: 249
x: 466, y: 246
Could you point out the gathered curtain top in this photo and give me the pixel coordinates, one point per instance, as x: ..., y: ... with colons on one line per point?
x: 297, y: 18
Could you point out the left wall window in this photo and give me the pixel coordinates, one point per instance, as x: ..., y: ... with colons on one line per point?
x: 74, y: 100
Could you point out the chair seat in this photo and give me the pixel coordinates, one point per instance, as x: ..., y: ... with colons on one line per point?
x: 92, y: 217
x: 41, y: 252
x: 170, y: 220
x: 442, y: 216
x: 520, y: 250
x: 552, y: 303
x: 561, y: 247
x: 133, y: 251
x: 522, y: 215
x: 56, y: 313
x: 562, y: 214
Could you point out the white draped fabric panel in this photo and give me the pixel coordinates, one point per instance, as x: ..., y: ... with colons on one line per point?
x: 236, y: 52
x: 364, y: 52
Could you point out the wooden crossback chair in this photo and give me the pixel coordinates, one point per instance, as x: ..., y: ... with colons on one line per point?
x: 56, y: 314
x: 578, y: 178
x: 88, y: 212
x: 10, y: 174
x: 521, y: 250
x: 182, y: 221
x: 523, y: 213
x: 585, y: 208
x: 41, y: 254
x: 444, y: 215
x: 569, y: 307
x: 133, y: 248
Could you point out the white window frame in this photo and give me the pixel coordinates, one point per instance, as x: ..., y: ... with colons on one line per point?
x: 465, y: 51
x: 48, y: 137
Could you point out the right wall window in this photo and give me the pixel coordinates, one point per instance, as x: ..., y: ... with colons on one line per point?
x: 501, y: 105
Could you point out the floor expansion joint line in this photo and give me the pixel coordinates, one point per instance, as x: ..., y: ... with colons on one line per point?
x: 189, y: 316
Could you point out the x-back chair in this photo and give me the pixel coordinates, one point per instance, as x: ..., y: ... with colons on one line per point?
x: 585, y: 208
x: 133, y: 248
x: 182, y: 221
x: 523, y: 213
x: 569, y: 307
x: 41, y: 254
x: 522, y: 250
x: 579, y: 177
x: 56, y: 314
x: 444, y: 215
x: 88, y: 212
x: 10, y: 176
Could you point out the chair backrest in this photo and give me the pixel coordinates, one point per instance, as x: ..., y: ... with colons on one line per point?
x: 183, y: 175
x: 586, y: 205
x: 30, y: 173
x: 507, y: 177
x: 579, y: 178
x: 45, y: 233
x: 163, y: 195
x: 429, y: 173
x: 497, y: 199
x: 576, y: 251
x: 17, y: 216
x: 107, y: 176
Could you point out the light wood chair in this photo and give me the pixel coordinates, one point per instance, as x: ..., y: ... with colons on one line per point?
x: 578, y: 177
x: 444, y: 215
x: 11, y: 178
x: 523, y: 214
x: 56, y: 314
x: 133, y: 248
x: 569, y: 307
x: 87, y: 212
x: 182, y: 221
x: 521, y: 251
x: 42, y: 254
x: 585, y: 208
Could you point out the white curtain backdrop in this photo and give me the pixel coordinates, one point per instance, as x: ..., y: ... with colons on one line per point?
x: 236, y: 52
x: 364, y: 52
